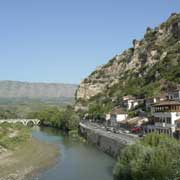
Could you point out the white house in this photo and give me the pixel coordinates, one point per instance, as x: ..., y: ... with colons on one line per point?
x: 165, y: 115
x: 174, y: 95
x: 131, y: 102
x: 118, y: 115
x: 108, y: 117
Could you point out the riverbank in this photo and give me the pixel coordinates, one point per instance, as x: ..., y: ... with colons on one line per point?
x: 27, y: 160
x: 21, y: 155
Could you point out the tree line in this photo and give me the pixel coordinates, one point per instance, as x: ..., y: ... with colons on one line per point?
x: 65, y: 119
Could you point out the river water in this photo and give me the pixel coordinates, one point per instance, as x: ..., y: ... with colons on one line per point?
x: 77, y: 161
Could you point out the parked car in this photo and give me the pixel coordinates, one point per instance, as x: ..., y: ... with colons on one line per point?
x: 136, y: 129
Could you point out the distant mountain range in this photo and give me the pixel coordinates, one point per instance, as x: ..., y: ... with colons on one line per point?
x: 16, y: 89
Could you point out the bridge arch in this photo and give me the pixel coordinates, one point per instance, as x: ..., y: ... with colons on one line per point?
x: 30, y: 123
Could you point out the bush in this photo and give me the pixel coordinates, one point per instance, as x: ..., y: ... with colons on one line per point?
x: 156, y: 157
x: 132, y: 114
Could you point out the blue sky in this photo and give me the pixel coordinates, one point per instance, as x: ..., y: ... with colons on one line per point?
x: 64, y: 40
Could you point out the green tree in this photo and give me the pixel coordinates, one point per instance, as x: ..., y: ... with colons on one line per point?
x: 65, y: 119
x: 156, y: 157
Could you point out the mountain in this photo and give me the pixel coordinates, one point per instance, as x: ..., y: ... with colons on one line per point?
x: 15, y: 89
x: 149, y: 68
x: 19, y: 99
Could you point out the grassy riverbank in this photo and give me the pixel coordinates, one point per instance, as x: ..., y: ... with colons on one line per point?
x: 13, y: 135
x: 22, y: 155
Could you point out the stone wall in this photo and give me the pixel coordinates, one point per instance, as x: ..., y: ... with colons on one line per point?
x: 103, y: 141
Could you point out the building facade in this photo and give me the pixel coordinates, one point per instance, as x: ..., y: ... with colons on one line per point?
x: 165, y: 115
x: 130, y: 102
x: 149, y: 102
x: 117, y: 115
x: 174, y: 95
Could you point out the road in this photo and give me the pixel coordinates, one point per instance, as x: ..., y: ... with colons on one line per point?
x: 124, y: 138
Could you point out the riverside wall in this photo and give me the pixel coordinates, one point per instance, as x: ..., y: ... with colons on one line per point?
x: 109, y: 143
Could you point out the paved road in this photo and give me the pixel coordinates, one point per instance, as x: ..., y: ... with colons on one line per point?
x: 121, y: 137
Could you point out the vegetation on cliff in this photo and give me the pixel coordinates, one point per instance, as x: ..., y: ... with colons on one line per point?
x: 149, y: 68
x: 156, y: 157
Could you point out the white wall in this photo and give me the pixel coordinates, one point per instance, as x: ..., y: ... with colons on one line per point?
x: 118, y: 118
x: 131, y: 104
x: 173, y: 115
x: 121, y: 117
x: 108, y: 117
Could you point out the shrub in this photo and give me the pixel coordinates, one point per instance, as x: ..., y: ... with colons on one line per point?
x: 156, y: 157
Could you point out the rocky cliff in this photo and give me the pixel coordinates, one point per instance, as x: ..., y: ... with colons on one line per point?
x: 146, y: 69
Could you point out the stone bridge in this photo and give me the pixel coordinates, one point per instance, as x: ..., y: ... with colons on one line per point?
x: 26, y: 122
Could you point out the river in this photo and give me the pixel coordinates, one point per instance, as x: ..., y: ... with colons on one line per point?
x: 77, y: 161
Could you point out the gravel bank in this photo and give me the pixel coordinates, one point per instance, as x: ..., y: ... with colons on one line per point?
x: 27, y: 160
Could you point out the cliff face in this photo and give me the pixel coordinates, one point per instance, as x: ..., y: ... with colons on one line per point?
x: 146, y: 62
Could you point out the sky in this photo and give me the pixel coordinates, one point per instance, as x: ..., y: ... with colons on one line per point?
x: 65, y: 40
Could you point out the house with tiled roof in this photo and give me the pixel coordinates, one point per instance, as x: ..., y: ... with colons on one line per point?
x: 117, y: 115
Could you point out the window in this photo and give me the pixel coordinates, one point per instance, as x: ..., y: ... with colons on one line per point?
x: 176, y: 95
x: 169, y: 120
x: 156, y: 119
x: 164, y: 120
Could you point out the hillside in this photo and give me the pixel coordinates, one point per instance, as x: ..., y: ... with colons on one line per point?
x: 19, y: 99
x: 15, y: 89
x: 149, y: 68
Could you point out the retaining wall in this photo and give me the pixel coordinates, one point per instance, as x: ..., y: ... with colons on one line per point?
x: 105, y: 142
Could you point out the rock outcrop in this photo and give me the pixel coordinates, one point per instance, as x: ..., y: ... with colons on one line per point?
x: 160, y: 45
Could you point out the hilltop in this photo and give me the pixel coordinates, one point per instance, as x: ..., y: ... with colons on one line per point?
x: 149, y: 68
